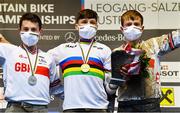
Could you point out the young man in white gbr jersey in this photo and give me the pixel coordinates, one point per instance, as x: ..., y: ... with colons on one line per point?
x: 28, y: 72
x: 84, y: 65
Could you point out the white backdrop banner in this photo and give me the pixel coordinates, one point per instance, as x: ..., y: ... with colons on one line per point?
x: 158, y: 14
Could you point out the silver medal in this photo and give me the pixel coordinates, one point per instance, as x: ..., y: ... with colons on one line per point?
x: 32, y: 80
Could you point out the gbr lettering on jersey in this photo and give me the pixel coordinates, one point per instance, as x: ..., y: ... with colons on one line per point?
x: 23, y: 66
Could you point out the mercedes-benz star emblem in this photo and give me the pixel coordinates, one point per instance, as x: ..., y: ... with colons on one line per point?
x: 70, y: 37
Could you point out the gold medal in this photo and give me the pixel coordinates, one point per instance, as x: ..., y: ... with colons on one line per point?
x: 85, y: 68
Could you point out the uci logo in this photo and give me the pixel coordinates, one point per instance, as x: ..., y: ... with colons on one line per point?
x: 70, y: 37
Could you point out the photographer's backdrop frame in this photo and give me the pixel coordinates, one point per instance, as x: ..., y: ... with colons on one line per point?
x: 58, y: 17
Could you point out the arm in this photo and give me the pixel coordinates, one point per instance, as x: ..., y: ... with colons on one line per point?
x: 111, y: 92
x: 165, y: 43
x: 2, y: 98
x: 110, y: 88
x: 56, y: 53
x: 56, y: 87
x: 5, y: 49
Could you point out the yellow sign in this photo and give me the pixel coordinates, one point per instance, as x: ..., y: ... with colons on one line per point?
x: 167, y: 98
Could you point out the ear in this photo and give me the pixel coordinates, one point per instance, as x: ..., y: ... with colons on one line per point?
x: 41, y: 31
x: 97, y: 26
x: 76, y: 27
x: 142, y: 28
x: 121, y: 29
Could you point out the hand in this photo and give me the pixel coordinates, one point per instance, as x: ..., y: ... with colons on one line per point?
x: 2, y: 39
x: 123, y: 70
x: 1, y: 98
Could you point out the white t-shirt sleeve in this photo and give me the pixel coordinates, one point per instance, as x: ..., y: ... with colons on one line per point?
x: 107, y: 59
x: 5, y: 49
x: 56, y: 53
x: 56, y: 87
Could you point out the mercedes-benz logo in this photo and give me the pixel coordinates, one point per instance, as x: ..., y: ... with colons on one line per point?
x: 70, y: 37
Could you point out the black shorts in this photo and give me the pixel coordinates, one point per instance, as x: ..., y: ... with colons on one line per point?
x: 146, y: 105
x: 85, y: 110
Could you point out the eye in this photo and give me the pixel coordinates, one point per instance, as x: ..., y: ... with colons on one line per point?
x: 93, y: 22
x: 84, y: 22
x: 137, y: 24
x: 25, y: 29
x: 33, y: 29
x: 128, y: 24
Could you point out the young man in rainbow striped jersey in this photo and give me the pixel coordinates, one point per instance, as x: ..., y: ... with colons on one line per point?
x: 28, y: 72
x: 84, y: 65
x: 141, y: 89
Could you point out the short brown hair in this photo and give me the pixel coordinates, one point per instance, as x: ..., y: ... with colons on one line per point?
x: 86, y: 13
x: 30, y: 17
x: 132, y: 15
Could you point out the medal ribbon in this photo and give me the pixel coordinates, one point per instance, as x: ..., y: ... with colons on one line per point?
x: 85, y: 60
x: 32, y: 69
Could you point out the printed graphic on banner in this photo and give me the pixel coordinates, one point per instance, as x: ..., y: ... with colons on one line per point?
x: 167, y: 98
x: 156, y: 12
x: 58, y: 18
x: 70, y: 37
x: 170, y: 72
x: 53, y: 14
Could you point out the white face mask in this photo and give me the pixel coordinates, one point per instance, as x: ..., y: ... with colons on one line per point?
x: 29, y: 38
x: 132, y: 33
x: 87, y: 31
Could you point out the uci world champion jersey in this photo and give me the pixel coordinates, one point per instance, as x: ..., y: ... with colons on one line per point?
x: 83, y: 89
x: 16, y: 71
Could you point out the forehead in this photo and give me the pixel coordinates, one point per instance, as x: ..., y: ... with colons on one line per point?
x: 87, y: 19
x: 29, y: 24
x: 129, y: 20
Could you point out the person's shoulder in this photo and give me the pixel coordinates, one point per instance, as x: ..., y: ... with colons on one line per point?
x: 8, y: 45
x: 149, y: 43
x: 61, y: 48
x: 44, y: 54
x: 41, y: 52
x: 103, y: 46
x: 65, y: 45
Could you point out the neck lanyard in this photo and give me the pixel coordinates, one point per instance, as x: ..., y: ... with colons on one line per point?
x: 85, y: 59
x: 32, y: 69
